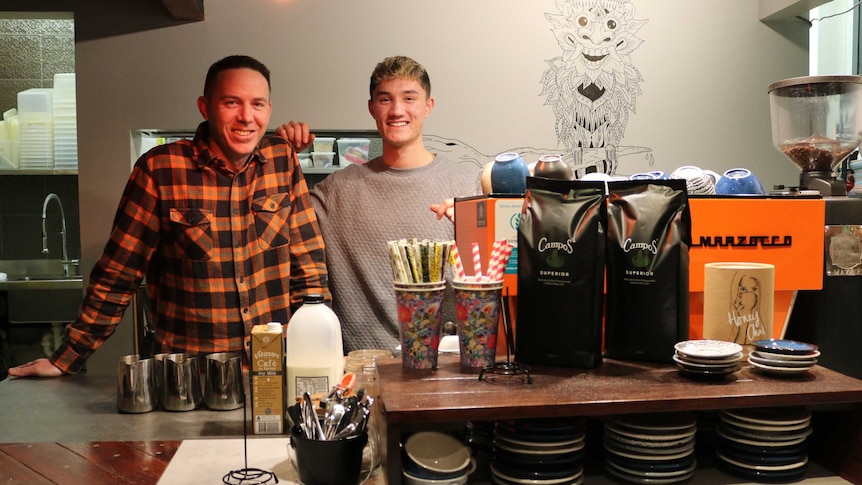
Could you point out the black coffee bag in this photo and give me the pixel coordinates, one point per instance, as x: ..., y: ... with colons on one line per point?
x: 561, y: 245
x: 649, y: 235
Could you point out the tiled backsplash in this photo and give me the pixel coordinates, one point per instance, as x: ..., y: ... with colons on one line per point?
x: 31, y: 52
x: 21, y: 199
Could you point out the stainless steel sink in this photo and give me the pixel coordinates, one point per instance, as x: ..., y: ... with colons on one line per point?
x: 39, y: 291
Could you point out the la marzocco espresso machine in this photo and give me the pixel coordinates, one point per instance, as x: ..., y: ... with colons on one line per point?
x: 817, y: 123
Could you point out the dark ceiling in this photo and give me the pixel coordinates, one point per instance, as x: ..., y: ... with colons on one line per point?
x: 96, y: 19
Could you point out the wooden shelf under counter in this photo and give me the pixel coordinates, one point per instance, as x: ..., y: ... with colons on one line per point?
x: 415, y: 400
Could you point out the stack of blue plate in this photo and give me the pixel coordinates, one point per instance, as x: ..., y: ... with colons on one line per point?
x: 538, y: 451
x: 764, y: 444
x: 783, y: 357
x: 650, y: 448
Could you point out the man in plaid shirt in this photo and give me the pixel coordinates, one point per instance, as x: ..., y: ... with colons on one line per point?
x: 221, y: 226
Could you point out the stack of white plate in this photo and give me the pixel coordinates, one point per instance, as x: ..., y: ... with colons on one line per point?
x: 650, y: 448
x: 538, y: 451
x: 707, y: 358
x: 783, y: 357
x: 764, y: 444
x: 65, y: 122
x: 35, y: 128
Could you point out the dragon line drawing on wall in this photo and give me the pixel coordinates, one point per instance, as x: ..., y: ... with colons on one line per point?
x: 593, y: 85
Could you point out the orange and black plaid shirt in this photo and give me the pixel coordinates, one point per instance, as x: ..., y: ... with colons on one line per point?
x: 221, y: 251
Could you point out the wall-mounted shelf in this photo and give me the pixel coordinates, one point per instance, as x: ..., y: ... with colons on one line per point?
x: 321, y: 170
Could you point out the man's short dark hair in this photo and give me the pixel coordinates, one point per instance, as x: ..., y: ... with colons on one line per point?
x: 233, y: 62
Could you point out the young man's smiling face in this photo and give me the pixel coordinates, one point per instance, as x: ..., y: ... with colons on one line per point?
x: 400, y: 106
x: 238, y: 111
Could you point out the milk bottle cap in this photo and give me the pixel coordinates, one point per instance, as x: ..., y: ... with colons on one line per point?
x: 273, y: 326
x: 313, y: 298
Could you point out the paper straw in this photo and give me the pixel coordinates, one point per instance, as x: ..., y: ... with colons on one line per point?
x: 398, y: 273
x: 415, y: 261
x: 455, y: 262
x: 502, y: 259
x: 477, y: 261
x: 494, y: 262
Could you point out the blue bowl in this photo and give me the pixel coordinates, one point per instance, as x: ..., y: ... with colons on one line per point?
x: 739, y: 181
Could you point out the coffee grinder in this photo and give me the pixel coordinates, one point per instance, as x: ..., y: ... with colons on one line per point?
x: 816, y: 124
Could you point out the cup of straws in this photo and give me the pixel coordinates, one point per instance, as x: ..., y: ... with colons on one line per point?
x: 477, y: 303
x: 419, y: 273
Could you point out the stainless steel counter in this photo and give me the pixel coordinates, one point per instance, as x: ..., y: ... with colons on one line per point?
x: 83, y: 408
x: 53, y: 283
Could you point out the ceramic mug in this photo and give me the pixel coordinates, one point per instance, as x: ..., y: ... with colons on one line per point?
x: 697, y: 180
x: 739, y: 181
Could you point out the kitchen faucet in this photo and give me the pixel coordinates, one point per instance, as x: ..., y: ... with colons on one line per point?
x: 65, y: 261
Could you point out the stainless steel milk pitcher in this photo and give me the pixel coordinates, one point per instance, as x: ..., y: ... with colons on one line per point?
x: 223, y: 389
x: 136, y: 385
x: 181, y: 389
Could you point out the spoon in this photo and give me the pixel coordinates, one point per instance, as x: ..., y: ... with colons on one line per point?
x: 333, y: 419
x: 311, y: 420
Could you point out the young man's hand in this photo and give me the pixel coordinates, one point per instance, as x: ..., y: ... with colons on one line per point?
x: 297, y: 133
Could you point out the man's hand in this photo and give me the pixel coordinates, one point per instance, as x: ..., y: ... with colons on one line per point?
x: 297, y: 133
x: 36, y: 368
x: 445, y: 208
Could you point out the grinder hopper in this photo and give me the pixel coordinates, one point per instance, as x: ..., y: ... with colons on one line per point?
x: 816, y: 123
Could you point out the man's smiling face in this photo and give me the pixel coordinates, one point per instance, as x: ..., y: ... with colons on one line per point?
x: 400, y: 106
x: 238, y: 111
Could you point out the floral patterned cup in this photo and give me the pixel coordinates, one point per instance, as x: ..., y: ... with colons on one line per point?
x: 477, y: 308
x: 420, y: 319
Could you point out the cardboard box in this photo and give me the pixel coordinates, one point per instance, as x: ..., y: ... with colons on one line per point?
x: 484, y: 219
x: 267, y: 379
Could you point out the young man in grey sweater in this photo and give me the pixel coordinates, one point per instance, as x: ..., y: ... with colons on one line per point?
x: 397, y: 195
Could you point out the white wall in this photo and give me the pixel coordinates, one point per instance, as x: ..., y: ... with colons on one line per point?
x: 705, y: 66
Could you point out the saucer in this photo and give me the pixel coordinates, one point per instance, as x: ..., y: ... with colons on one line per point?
x: 766, y: 468
x: 784, y: 346
x: 656, y: 421
x: 698, y: 366
x: 717, y: 361
x: 509, y: 479
x: 771, y: 369
x: 626, y: 477
x: 707, y: 349
x: 756, y: 357
x: 647, y: 436
x: 653, y: 474
x: 788, y: 357
x: 785, y: 415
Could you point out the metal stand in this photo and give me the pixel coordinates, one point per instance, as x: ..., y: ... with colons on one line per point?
x: 248, y: 476
x: 512, y: 370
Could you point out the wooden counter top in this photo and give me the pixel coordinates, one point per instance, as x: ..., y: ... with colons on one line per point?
x: 615, y: 387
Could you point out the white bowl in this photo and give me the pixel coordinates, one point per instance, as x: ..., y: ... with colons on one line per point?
x: 437, y: 452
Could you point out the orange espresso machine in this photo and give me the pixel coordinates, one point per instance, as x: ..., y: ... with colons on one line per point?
x: 787, y: 232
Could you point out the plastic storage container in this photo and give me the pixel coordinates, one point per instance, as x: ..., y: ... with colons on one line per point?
x: 315, y: 355
x: 322, y: 159
x: 353, y: 150
x: 323, y: 144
